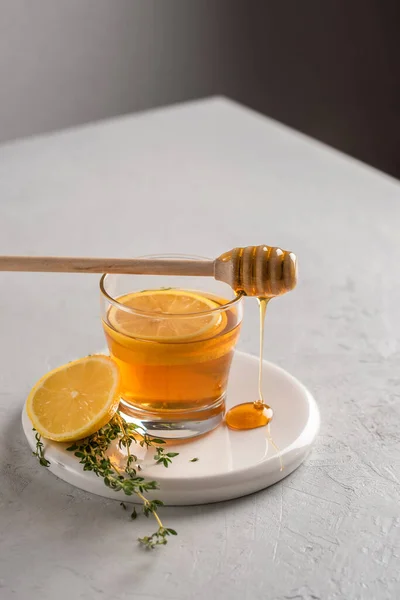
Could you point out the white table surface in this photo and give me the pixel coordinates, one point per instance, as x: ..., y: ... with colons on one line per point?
x: 202, y: 178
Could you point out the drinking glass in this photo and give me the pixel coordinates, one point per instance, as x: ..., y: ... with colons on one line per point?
x: 174, y: 366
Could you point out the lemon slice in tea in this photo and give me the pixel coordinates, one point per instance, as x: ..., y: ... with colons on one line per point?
x: 161, y: 315
x: 76, y: 399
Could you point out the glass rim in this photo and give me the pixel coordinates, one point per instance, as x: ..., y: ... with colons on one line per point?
x: 147, y: 313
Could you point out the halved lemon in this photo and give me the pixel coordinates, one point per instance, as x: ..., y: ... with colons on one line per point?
x: 167, y: 315
x: 75, y: 400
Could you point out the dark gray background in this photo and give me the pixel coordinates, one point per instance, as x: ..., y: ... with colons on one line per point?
x: 329, y: 69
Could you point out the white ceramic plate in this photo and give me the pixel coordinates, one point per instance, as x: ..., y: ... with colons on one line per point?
x: 231, y: 463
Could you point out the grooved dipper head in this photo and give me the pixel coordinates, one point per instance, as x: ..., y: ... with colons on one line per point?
x: 262, y: 271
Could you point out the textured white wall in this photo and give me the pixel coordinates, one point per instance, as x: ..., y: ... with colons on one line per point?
x: 66, y: 62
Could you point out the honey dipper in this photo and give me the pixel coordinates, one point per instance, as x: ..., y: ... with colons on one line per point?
x: 262, y: 271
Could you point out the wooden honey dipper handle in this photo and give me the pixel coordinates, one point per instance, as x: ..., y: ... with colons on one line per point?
x: 133, y: 266
x: 261, y: 271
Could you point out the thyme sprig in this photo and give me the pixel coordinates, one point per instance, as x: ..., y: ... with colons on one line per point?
x: 92, y: 453
x: 39, y: 453
x: 164, y: 458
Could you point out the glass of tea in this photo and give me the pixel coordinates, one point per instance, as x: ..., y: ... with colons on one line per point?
x: 173, y: 339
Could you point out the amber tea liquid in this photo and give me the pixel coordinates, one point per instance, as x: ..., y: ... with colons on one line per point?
x: 173, y: 365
